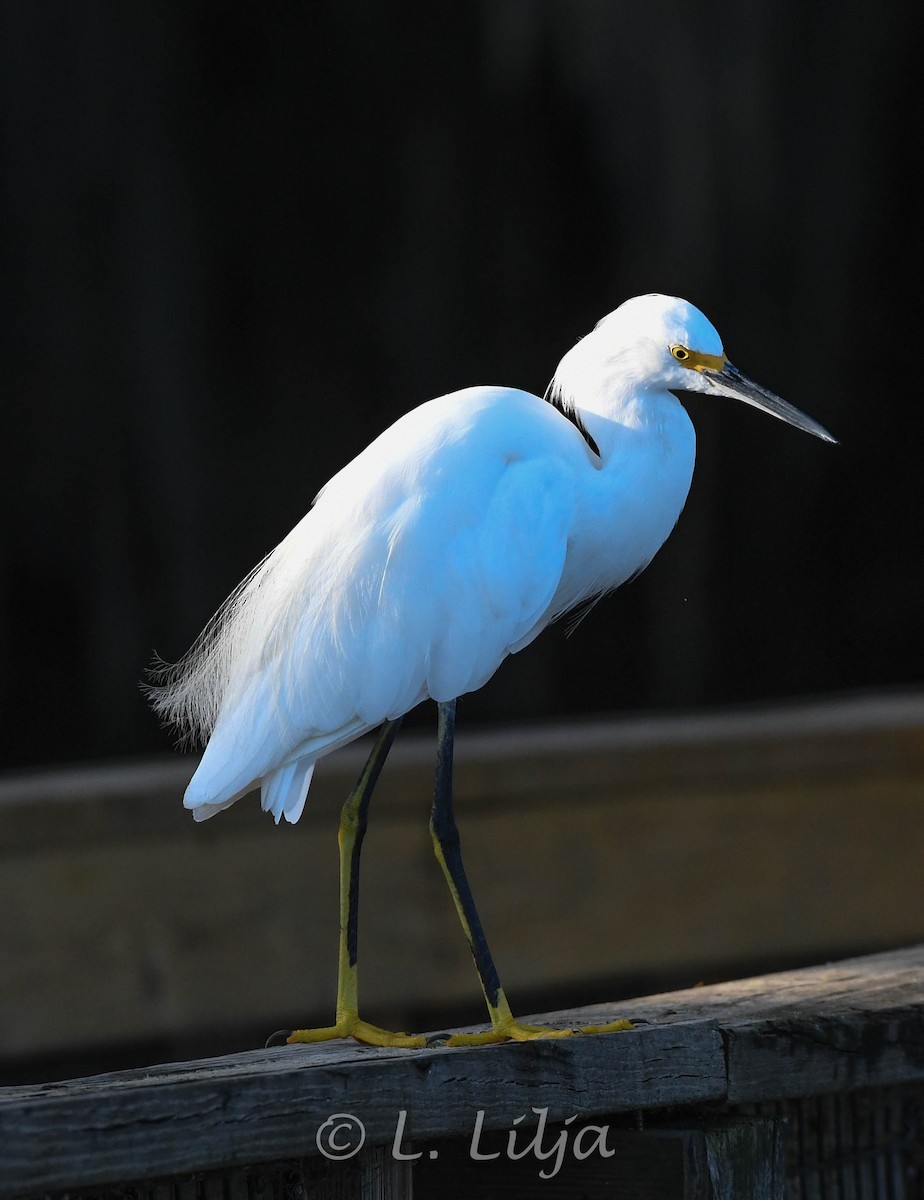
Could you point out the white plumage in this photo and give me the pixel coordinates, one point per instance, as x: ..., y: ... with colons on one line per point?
x: 447, y: 544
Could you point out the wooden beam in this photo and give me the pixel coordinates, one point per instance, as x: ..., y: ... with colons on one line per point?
x: 851, y: 1024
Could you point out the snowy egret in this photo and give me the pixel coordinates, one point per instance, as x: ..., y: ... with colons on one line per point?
x: 450, y: 542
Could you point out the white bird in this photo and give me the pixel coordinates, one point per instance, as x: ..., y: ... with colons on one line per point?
x: 450, y: 542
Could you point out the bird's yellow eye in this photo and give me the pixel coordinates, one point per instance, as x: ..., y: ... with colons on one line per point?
x: 681, y: 353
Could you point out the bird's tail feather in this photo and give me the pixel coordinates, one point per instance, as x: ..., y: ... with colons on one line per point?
x: 202, y: 812
x: 285, y: 791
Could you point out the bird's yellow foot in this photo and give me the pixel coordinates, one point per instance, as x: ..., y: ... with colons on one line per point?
x: 518, y: 1031
x: 362, y: 1031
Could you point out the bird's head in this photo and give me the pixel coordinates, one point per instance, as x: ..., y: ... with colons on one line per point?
x: 665, y: 343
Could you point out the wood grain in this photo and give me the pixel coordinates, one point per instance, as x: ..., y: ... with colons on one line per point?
x: 831, y: 1029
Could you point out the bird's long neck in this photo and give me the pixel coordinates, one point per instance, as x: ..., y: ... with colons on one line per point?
x: 604, y: 399
x: 645, y: 452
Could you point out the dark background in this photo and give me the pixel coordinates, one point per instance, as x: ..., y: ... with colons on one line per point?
x: 239, y: 240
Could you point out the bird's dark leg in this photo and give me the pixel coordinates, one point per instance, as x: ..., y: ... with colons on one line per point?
x: 448, y: 850
x: 353, y: 818
x: 446, y: 844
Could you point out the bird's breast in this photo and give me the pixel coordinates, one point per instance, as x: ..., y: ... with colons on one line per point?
x: 627, y: 510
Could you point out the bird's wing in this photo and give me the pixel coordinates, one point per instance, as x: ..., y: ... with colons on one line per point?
x: 470, y: 515
x: 463, y: 581
x: 421, y: 566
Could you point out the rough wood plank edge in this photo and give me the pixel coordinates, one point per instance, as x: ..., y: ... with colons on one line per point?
x: 832, y: 1028
x: 271, y: 1104
x: 819, y: 1056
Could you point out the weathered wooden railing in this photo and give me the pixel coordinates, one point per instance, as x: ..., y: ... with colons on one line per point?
x: 802, y: 1084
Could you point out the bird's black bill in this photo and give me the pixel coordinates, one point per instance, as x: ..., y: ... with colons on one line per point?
x: 731, y: 382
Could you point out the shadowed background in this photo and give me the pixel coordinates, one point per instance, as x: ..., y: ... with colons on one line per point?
x: 239, y: 240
